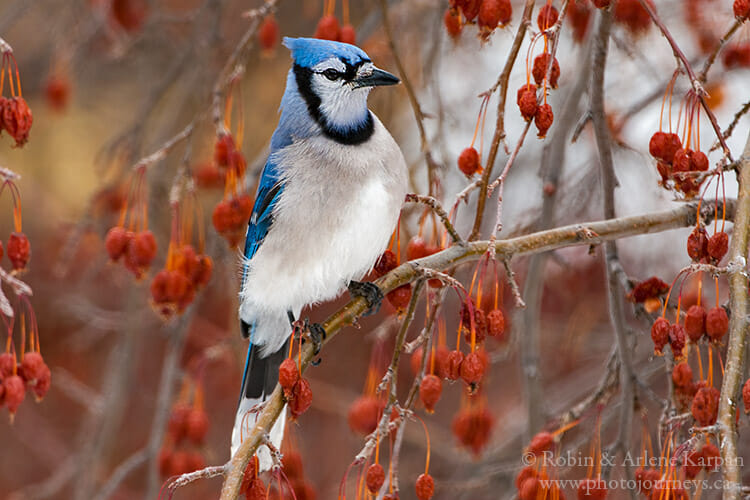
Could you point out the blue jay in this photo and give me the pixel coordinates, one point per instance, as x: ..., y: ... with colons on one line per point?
x: 327, y: 203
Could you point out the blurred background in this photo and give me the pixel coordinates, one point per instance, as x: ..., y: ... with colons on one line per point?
x: 111, y: 81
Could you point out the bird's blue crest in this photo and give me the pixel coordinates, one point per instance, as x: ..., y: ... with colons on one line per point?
x: 307, y: 52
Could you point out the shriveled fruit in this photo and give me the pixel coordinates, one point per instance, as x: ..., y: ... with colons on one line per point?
x: 455, y: 359
x: 705, y: 407
x: 385, y: 263
x: 19, y: 250
x: 429, y: 391
x: 539, y: 69
x: 543, y: 119
x: 746, y: 396
x: 472, y: 368
x: 473, y: 427
x: 695, y: 322
x: 452, y: 22
x: 717, y: 323
x: 677, y: 339
x: 527, y: 104
x: 364, y: 414
x: 301, y: 398
x: 717, y: 246
x: 468, y: 161
x: 496, y: 324
x: 664, y: 145
x: 547, y: 16
x: 425, y: 487
x: 288, y: 375
x: 541, y: 442
x: 196, y: 425
x: 682, y: 375
x: 375, y: 478
x: 400, y: 297
x: 741, y: 9
x: 660, y: 334
x: 697, y: 243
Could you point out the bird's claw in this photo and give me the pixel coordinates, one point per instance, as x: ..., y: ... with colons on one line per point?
x: 370, y: 292
x: 317, y: 335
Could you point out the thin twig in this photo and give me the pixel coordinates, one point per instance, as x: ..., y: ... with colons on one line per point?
x: 436, y: 207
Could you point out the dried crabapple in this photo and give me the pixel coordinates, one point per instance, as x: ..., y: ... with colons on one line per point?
x: 480, y: 327
x: 647, y: 289
x: 116, y: 242
x: 177, y: 424
x: 529, y: 489
x: 541, y: 442
x: 7, y: 362
x: 493, y: 13
x: 539, y: 69
x: 196, y: 425
x: 57, y: 92
x: 400, y: 297
x: 711, y: 457
x: 301, y: 398
x: 741, y: 9
x: 15, y: 391
x: 441, y: 361
x: 416, y: 248
x: 32, y: 367
x: 230, y: 218
x: 171, y: 292
x: 705, y: 407
x: 16, y: 118
x: 529, y: 87
x: 348, y: 34
x: 527, y: 104
x: 681, y: 160
x: 697, y: 243
x: 452, y: 22
x: 140, y: 252
x: 645, y: 479
x: 385, y: 263
x: 695, y: 322
x: 496, y: 324
x: 677, y: 339
x: 256, y: 490
x: 717, y: 323
x: 717, y: 246
x: 364, y: 414
x: 472, y: 427
x: 660, y: 334
x: 632, y: 15
x: 43, y: 382
x: 468, y: 162
x: 288, y: 375
x: 469, y: 8
x: 682, y: 375
x: 268, y: 33
x: 251, y: 472
x: 472, y: 368
x: 524, y: 474
x: 429, y: 391
x: 546, y: 17
x: 543, y: 119
x: 375, y: 478
x: 699, y: 161
x: 455, y: 360
x: 746, y: 396
x: 425, y: 485
x: 223, y: 149
x: 328, y: 28
x: 601, y: 4
x: 19, y: 250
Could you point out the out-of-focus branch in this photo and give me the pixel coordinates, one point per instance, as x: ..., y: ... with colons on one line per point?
x: 612, y: 262
x: 499, y: 135
x: 722, y: 41
x: 573, y: 235
x: 694, y: 81
x: 738, y: 326
x: 730, y: 128
x: 419, y: 116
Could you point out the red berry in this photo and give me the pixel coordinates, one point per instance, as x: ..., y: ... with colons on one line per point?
x: 645, y: 479
x: 539, y: 70
x: 441, y: 362
x: 288, y: 375
x: 7, y: 362
x: 711, y: 457
x: 705, y: 407
x: 348, y: 34
x: 473, y: 427
x: 425, y: 486
x: 524, y: 474
x: 15, y: 391
x: 479, y: 327
x: 43, y: 381
x: 472, y: 368
x: 496, y: 324
x: 196, y: 425
x: 251, y: 472
x: 19, y: 250
x: 375, y: 478
x: 230, y: 218
x: 429, y: 391
x: 699, y: 161
x: 601, y: 4
x: 697, y: 244
x: 579, y: 15
x: 117, y: 241
x: 527, y: 105
x: 741, y: 9
x: 129, y: 14
x: 455, y: 360
x: 328, y: 28
x: 32, y: 368
x: 177, y: 425
x: 541, y: 442
x: 529, y: 87
x: 663, y: 146
x: 717, y: 323
x: 746, y: 395
x: 268, y: 33
x: 364, y: 414
x: 677, y: 339
x: 57, y: 92
x: 301, y: 398
x: 208, y: 176
x: 452, y: 22
x: 543, y: 119
x: 256, y: 490
x: 468, y: 162
x: 660, y: 334
x: 400, y: 297
x: 717, y: 246
x: 648, y: 289
x: 223, y: 149
x: 165, y: 461
x: 171, y: 291
x: 417, y: 248
x: 493, y: 13
x: 385, y: 263
x: 595, y: 488
x: 416, y: 361
x: 17, y: 119
x: 632, y: 15
x: 530, y: 489
x: 470, y: 8
x: 682, y: 375
x: 695, y: 322
x: 547, y: 17
x: 140, y: 252
x: 681, y: 160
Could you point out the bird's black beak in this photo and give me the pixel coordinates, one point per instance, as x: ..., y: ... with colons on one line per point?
x: 376, y: 78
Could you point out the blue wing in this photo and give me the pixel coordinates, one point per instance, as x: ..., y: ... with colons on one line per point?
x: 269, y: 190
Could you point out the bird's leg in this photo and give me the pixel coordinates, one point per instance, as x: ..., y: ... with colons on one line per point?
x: 317, y: 334
x: 370, y: 292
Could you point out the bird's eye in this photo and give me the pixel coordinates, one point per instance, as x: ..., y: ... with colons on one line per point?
x: 332, y: 74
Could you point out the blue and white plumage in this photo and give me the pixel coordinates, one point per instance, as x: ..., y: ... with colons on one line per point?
x: 327, y: 203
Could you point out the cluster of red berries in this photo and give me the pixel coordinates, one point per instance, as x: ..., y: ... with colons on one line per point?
x: 702, y: 398
x: 268, y: 34
x: 545, y: 71
x: 231, y: 214
x: 649, y: 293
x: 295, y: 485
x: 707, y: 458
x: 533, y: 483
x: 488, y: 15
x: 186, y: 434
x: 297, y: 391
x: 712, y: 324
x: 329, y: 29
x: 673, y: 161
x: 136, y: 248
x: 173, y: 288
x: 31, y: 374
x: 15, y: 114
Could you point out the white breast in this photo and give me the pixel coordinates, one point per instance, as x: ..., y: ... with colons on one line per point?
x: 335, y: 216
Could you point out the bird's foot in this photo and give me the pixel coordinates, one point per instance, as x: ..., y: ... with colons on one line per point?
x: 317, y: 335
x: 370, y: 292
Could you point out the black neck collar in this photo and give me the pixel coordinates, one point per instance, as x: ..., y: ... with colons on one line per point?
x: 352, y: 136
